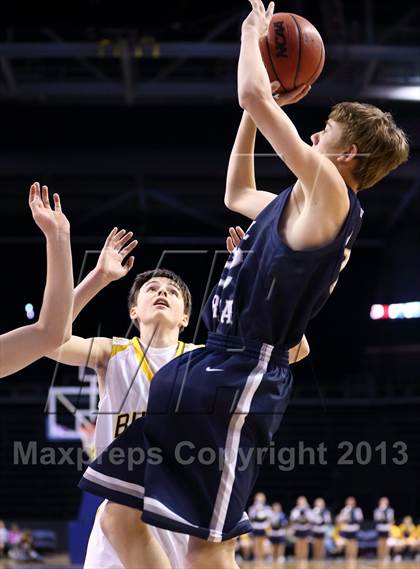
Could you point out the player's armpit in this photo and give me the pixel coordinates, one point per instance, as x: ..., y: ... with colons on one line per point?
x: 251, y: 202
x: 300, y: 351
x: 89, y: 352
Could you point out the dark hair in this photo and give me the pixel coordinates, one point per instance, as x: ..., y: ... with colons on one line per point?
x: 143, y: 278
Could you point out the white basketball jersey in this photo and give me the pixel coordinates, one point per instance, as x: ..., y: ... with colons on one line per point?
x: 130, y: 370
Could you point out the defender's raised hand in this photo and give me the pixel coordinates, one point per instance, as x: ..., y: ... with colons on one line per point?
x: 235, y: 236
x: 50, y: 221
x: 22, y: 346
x: 259, y: 18
x: 116, y: 248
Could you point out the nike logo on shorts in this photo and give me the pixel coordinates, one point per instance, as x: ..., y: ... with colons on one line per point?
x: 208, y: 368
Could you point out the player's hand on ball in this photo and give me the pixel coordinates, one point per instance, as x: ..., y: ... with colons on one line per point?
x: 235, y: 236
x: 51, y: 221
x: 115, y: 250
x: 283, y: 99
x: 259, y: 18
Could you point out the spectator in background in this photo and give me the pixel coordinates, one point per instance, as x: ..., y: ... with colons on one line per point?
x: 259, y: 516
x: 23, y: 549
x: 3, y: 539
x: 27, y: 547
x: 335, y: 543
x: 321, y: 520
x: 417, y: 543
x: 350, y: 518
x: 14, y: 535
x: 384, y: 518
x: 300, y: 519
x: 402, y: 541
x: 277, y: 533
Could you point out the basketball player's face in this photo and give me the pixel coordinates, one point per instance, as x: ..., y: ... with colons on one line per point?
x: 328, y: 141
x: 160, y: 301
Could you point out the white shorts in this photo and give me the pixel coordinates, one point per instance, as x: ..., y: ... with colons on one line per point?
x: 101, y: 555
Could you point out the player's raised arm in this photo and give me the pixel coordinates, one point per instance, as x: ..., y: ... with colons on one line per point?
x: 89, y: 352
x: 23, y: 346
x: 112, y: 265
x: 241, y: 193
x: 95, y: 352
x: 314, y: 170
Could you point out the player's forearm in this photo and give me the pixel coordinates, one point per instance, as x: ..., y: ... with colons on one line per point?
x: 70, y: 353
x: 253, y: 83
x: 241, y: 173
x: 90, y: 286
x: 57, y: 306
x: 253, y: 79
x: 25, y: 345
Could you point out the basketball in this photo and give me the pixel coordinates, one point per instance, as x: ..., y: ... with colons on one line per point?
x: 293, y: 51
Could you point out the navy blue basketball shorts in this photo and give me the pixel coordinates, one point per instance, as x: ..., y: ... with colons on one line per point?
x: 191, y: 463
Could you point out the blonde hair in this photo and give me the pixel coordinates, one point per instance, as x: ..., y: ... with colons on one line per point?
x: 382, y: 144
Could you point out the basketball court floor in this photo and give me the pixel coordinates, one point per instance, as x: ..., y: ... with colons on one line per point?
x: 62, y: 562
x: 337, y: 564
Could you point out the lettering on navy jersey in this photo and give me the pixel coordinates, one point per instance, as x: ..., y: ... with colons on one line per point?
x: 273, y: 293
x: 223, y: 309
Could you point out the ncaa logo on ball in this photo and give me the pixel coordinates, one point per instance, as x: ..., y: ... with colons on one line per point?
x: 280, y: 39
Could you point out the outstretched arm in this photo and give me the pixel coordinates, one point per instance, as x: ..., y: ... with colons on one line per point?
x: 95, y: 352
x: 241, y: 193
x: 25, y: 345
x: 110, y: 267
x: 301, y: 350
x: 320, y: 179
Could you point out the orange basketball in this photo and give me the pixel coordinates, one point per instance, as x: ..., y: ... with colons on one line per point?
x: 293, y: 51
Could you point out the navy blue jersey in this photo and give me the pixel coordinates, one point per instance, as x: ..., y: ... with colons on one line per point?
x: 269, y: 292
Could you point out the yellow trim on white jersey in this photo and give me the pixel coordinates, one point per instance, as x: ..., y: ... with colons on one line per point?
x: 180, y: 349
x: 144, y: 364
x: 141, y: 356
x: 116, y: 348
